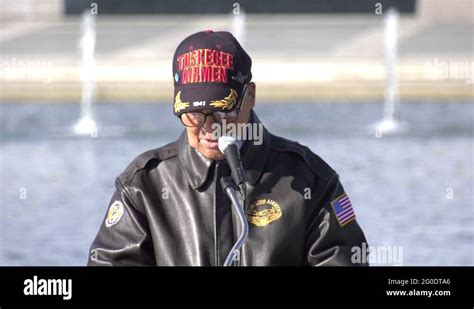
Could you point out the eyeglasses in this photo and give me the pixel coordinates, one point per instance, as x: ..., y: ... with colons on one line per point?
x: 198, y: 118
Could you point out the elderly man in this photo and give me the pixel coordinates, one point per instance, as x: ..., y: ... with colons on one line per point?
x: 169, y: 207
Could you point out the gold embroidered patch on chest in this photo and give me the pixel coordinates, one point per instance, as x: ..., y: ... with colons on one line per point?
x: 263, y: 212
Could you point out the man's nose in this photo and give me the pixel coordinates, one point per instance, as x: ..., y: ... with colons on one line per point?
x: 207, y: 127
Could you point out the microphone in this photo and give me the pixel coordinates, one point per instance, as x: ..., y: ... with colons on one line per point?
x: 228, y: 146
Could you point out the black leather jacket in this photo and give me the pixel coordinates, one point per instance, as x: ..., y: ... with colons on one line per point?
x: 169, y: 209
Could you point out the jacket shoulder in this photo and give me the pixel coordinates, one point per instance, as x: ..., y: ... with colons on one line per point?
x: 314, y: 162
x: 148, y: 158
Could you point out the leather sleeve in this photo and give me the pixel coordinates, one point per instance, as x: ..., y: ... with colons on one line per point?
x: 123, y: 238
x: 332, y: 236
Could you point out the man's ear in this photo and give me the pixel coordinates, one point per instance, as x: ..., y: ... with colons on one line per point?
x: 251, y: 92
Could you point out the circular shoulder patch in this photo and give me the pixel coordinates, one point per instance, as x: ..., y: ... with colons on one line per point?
x: 115, y: 213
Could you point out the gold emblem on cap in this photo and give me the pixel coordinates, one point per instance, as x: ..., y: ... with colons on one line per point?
x: 226, y: 103
x: 178, y: 104
x: 263, y: 212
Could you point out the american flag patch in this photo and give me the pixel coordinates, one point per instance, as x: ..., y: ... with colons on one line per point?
x: 343, y: 208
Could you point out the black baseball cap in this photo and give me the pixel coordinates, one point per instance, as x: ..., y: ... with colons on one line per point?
x: 210, y: 69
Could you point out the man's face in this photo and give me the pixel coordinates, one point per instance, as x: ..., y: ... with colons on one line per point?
x: 201, y: 138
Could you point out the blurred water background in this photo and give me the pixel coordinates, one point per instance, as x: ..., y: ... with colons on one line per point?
x: 399, y: 184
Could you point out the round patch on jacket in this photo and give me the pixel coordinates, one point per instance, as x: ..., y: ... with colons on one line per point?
x: 263, y: 212
x: 115, y: 213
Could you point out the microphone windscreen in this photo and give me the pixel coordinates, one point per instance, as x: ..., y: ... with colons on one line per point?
x: 224, y: 141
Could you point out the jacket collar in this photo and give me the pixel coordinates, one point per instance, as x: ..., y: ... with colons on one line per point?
x: 196, y: 167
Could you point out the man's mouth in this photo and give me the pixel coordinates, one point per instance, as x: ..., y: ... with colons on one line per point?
x: 209, y: 143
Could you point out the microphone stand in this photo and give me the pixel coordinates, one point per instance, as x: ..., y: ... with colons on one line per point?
x: 229, y: 186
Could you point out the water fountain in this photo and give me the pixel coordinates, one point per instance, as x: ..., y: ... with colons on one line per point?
x: 86, y: 124
x: 238, y: 26
x: 390, y: 122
